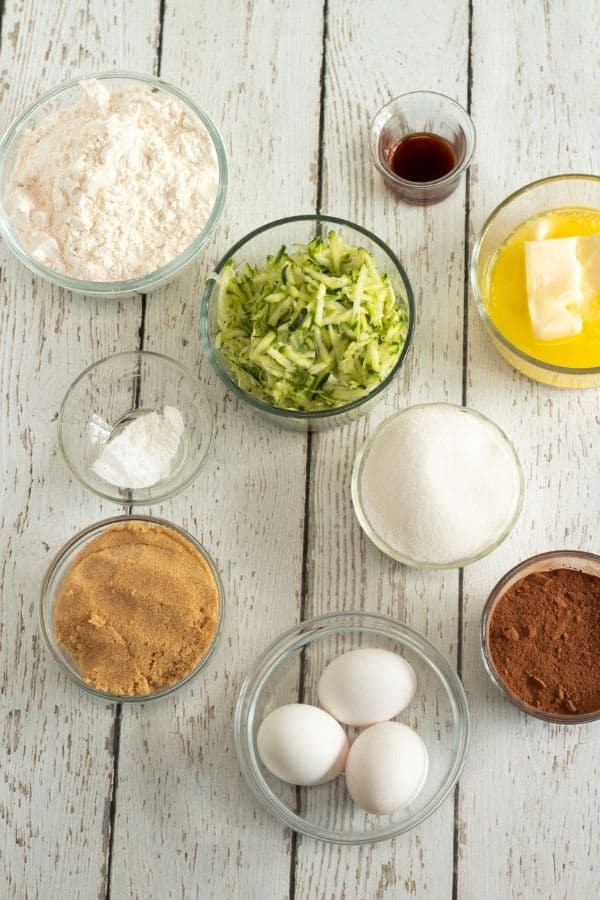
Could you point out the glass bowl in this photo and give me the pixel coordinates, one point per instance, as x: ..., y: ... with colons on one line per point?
x: 568, y: 559
x: 531, y: 200
x: 386, y: 548
x: 289, y: 670
x: 51, y: 584
x: 113, y: 392
x: 264, y: 241
x: 415, y: 113
x: 66, y: 95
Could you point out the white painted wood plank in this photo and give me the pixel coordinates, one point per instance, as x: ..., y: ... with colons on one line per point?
x: 57, y: 759
x: 529, y: 807
x: 376, y: 52
x: 181, y: 801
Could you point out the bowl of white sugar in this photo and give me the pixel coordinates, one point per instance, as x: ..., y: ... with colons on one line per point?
x: 437, y: 486
x: 112, y: 184
x: 135, y: 427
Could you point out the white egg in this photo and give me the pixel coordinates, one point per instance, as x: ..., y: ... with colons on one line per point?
x: 302, y: 744
x: 386, y: 768
x: 366, y: 686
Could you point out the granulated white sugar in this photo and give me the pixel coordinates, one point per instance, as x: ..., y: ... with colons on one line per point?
x: 439, y: 485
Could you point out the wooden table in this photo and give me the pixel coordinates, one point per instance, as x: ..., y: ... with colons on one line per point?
x: 147, y: 801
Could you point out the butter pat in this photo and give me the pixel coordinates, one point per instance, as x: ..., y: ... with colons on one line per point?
x: 563, y: 284
x: 588, y: 252
x: 554, y: 288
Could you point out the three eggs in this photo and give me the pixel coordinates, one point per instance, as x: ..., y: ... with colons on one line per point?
x: 385, y: 767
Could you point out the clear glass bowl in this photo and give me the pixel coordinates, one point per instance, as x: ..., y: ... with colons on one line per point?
x: 266, y: 240
x: 438, y: 712
x: 66, y: 95
x: 567, y: 559
x: 110, y: 394
x: 531, y: 200
x: 51, y: 585
x: 386, y: 548
x: 414, y: 113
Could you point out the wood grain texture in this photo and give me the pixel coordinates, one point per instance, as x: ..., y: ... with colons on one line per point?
x: 185, y: 824
x: 366, y: 65
x: 56, y: 766
x: 181, y: 800
x: 534, y: 834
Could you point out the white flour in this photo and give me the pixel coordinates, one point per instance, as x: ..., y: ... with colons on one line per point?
x: 113, y: 187
x: 141, y: 454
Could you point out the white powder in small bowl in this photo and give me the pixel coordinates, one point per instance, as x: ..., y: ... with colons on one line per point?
x: 142, y: 453
x: 438, y: 484
x: 115, y: 186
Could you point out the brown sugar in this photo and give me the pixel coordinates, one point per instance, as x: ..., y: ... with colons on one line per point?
x: 137, y: 609
x: 544, y: 639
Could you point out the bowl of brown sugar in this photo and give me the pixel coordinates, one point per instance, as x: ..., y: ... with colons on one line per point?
x: 131, y: 608
x: 540, y: 636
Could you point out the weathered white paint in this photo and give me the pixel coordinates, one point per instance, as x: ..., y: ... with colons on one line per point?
x: 56, y: 761
x: 533, y: 831
x: 366, y: 66
x: 186, y: 825
x: 181, y: 799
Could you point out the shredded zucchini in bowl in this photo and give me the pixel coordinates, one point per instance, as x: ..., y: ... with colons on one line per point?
x: 311, y: 329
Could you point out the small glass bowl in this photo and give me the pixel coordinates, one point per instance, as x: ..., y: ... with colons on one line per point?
x: 110, y: 394
x: 387, y: 548
x: 263, y: 242
x: 51, y: 584
x: 531, y: 200
x: 557, y: 559
x: 415, y: 113
x: 66, y: 95
x: 438, y: 712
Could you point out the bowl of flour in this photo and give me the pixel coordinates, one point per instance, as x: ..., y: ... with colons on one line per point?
x: 111, y: 184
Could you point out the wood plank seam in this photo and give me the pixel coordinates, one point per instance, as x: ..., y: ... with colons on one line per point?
x: 465, y: 359
x: 307, y: 485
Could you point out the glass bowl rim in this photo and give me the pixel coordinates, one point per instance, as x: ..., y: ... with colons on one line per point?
x: 476, y: 293
x: 488, y: 662
x: 141, y: 283
x: 76, y: 542
x: 383, y: 545
x: 312, y: 415
x: 175, y: 489
x: 453, y: 174
x: 300, y: 635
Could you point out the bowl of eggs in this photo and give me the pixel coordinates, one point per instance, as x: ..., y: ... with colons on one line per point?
x: 351, y: 728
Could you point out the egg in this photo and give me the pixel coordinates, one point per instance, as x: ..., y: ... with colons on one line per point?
x: 386, y: 768
x: 302, y: 744
x: 366, y: 686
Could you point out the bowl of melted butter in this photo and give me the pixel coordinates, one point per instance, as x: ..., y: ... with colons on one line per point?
x: 535, y: 278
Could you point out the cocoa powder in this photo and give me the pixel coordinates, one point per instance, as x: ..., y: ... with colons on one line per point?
x: 544, y: 638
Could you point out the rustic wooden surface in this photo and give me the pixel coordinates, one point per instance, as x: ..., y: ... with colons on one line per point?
x: 148, y: 801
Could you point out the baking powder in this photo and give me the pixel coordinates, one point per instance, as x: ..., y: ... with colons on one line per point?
x: 142, y: 453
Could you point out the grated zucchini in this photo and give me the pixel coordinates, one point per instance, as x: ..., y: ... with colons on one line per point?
x: 311, y: 329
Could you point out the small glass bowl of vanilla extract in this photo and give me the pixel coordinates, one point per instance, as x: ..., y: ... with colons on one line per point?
x: 422, y: 143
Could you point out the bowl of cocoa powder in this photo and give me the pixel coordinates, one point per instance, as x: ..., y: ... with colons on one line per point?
x: 540, y: 636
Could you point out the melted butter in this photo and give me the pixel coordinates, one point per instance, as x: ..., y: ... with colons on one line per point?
x: 506, y: 300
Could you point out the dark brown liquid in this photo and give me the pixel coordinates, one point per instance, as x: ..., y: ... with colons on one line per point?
x: 422, y: 157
